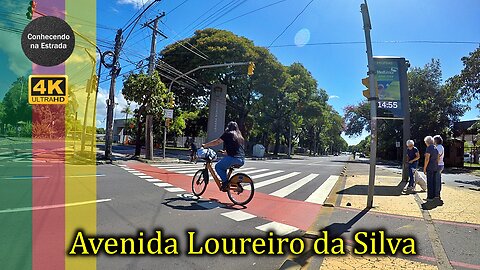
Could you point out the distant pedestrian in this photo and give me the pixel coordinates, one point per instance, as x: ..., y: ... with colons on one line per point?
x: 438, y: 141
x: 412, y: 159
x: 430, y: 167
x: 193, y: 151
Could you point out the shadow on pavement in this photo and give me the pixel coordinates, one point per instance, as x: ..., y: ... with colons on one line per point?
x: 379, y: 190
x: 337, y: 229
x: 475, y: 182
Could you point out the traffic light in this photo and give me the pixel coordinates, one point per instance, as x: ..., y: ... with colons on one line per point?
x: 167, y: 122
x: 92, y: 84
x: 31, y: 9
x: 251, y: 68
x: 366, y: 93
x: 172, y: 102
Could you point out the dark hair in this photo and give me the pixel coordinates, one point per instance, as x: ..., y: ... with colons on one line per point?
x: 438, y: 139
x: 232, y: 127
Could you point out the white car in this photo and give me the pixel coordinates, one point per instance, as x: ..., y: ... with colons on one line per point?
x: 467, y: 157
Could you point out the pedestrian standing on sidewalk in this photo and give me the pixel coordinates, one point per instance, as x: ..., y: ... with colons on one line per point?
x: 437, y: 139
x: 430, y: 167
x: 412, y: 159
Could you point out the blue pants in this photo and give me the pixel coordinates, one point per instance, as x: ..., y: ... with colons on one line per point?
x: 438, y: 181
x: 222, y: 166
x: 411, y: 169
x: 431, y: 183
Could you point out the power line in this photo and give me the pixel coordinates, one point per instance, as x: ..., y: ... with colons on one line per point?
x: 192, y: 46
x: 179, y: 5
x: 250, y: 12
x: 378, y: 42
x: 225, y: 13
x: 288, y: 26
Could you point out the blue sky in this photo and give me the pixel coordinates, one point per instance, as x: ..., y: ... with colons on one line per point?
x: 338, y: 68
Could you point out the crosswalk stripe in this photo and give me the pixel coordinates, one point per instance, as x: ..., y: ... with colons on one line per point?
x: 275, y: 180
x: 279, y: 229
x: 283, y: 192
x: 175, y: 189
x: 238, y: 215
x: 145, y: 176
x: 254, y: 171
x: 138, y: 174
x: 320, y: 195
x: 244, y: 168
x: 266, y: 174
x: 153, y: 180
x: 185, y: 172
x: 162, y: 184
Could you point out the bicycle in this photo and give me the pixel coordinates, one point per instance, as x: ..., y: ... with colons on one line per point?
x: 240, y: 189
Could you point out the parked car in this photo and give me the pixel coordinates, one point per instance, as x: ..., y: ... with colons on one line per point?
x: 467, y: 157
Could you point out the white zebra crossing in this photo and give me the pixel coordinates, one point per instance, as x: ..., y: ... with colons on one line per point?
x: 267, y: 177
x: 283, y: 192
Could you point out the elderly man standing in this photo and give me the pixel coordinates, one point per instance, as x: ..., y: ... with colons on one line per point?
x: 412, y: 159
x: 431, y: 167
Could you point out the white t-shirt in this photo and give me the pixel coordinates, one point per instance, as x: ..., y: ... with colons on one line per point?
x: 441, y: 154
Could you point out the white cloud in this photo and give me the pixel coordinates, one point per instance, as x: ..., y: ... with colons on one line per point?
x: 333, y: 96
x: 120, y: 101
x: 136, y: 3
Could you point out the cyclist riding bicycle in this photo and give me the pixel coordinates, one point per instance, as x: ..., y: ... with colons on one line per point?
x: 234, y: 146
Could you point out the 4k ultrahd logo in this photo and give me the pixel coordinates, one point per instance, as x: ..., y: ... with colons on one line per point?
x: 47, y: 89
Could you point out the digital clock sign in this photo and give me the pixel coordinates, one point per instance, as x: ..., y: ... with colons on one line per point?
x: 388, y: 76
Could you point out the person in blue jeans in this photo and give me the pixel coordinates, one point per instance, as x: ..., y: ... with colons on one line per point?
x: 233, y: 144
x: 412, y: 159
x: 430, y: 167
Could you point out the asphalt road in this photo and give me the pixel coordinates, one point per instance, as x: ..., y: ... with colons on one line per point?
x: 148, y: 197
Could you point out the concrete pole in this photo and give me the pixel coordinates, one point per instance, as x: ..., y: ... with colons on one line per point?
x: 373, y: 104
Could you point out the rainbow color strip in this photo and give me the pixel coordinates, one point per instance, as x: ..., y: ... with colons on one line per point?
x: 45, y: 201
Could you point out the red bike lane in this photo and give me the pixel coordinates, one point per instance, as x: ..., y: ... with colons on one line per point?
x: 295, y: 213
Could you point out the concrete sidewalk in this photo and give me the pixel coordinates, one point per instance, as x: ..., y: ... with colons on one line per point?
x: 448, y: 235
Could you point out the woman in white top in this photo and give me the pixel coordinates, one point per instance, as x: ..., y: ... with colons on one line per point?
x: 438, y: 145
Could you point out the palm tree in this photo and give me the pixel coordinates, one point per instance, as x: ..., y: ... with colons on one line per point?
x: 126, y: 110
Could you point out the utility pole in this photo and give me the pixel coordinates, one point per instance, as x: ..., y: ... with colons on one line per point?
x: 151, y: 67
x: 111, y: 96
x: 373, y: 104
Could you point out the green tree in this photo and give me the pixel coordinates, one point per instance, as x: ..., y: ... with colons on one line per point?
x: 433, y: 109
x: 222, y: 46
x: 150, y: 93
x: 15, y: 103
x: 468, y: 81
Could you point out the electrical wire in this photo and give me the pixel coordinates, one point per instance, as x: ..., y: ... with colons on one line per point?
x: 248, y: 13
x: 378, y: 42
x: 290, y: 24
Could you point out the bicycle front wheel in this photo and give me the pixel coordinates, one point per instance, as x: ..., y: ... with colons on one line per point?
x: 240, y: 189
x: 199, y: 183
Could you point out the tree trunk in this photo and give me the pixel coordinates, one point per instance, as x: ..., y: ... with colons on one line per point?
x: 138, y: 143
x: 277, y: 143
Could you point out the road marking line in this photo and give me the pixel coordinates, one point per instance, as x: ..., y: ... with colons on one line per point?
x: 266, y: 174
x: 244, y: 168
x: 122, y: 165
x: 153, y: 180
x: 238, y: 215
x: 87, y: 175
x: 138, y: 174
x: 175, y: 189
x: 279, y: 229
x: 320, y: 195
x: 190, y: 174
x: 133, y: 171
x: 275, y: 180
x: 25, y: 177
x: 283, y: 192
x: 145, y: 176
x: 254, y: 171
x: 45, y: 207
x: 129, y: 170
x: 162, y: 184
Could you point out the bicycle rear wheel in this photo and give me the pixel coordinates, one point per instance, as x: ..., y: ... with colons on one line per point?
x: 240, y: 189
x: 199, y: 183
